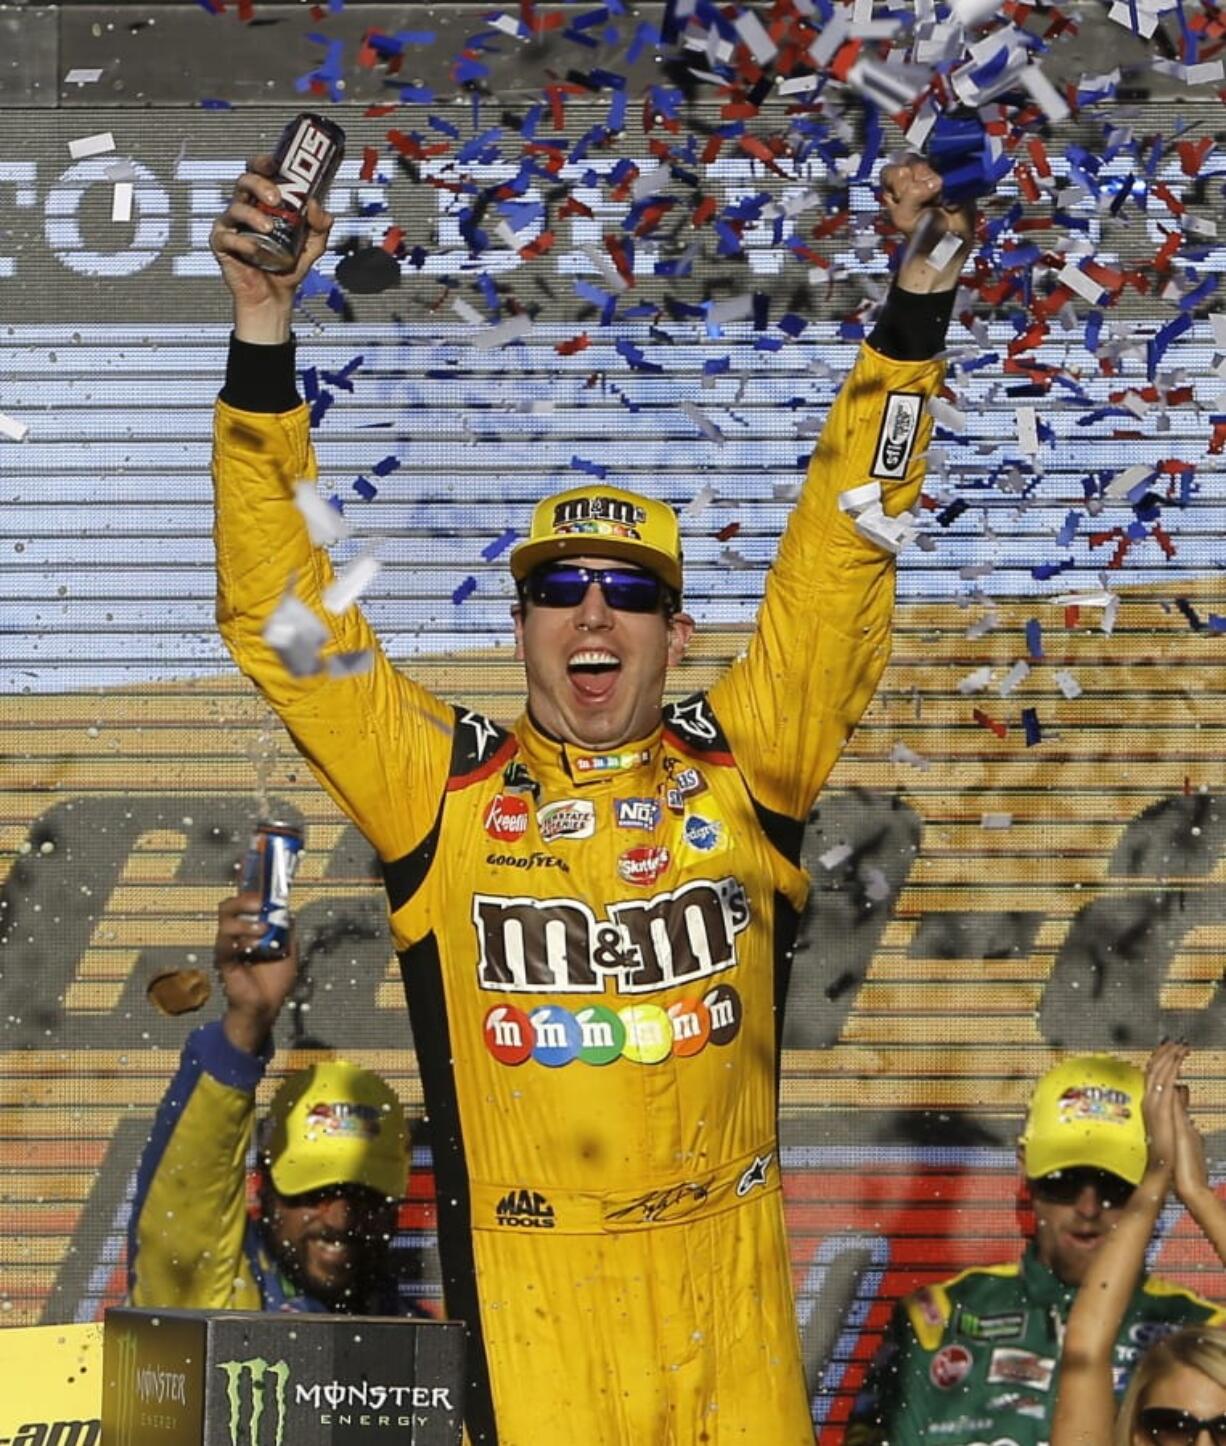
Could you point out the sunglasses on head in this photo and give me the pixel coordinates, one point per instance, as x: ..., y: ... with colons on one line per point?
x: 1064, y: 1187
x: 625, y: 589
x: 1168, y: 1426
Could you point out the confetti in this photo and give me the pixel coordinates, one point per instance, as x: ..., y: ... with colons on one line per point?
x: 83, y: 75
x: 1067, y: 684
x: 85, y: 146
x: 121, y: 201
x: 900, y: 753
x: 996, y: 820
x: 975, y: 682
x: 1014, y: 678
x: 296, y: 635
x: 835, y: 856
x: 14, y: 430
x: 349, y: 585
x: 515, y: 328
x: 1032, y: 727
x: 325, y: 524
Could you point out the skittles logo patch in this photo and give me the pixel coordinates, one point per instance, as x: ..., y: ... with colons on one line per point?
x: 1079, y: 1103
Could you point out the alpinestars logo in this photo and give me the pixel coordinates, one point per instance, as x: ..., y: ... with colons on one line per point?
x: 253, y: 1387
x: 525, y: 1208
x: 484, y: 733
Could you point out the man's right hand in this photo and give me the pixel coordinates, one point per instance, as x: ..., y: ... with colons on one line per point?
x: 263, y: 300
x: 256, y: 988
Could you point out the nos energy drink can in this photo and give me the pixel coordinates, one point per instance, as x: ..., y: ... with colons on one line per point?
x: 268, y: 870
x: 307, y: 155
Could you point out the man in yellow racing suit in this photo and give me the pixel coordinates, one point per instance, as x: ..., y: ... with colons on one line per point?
x: 594, y: 908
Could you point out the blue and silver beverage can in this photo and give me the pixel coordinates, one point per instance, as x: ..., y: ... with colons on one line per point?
x: 268, y: 870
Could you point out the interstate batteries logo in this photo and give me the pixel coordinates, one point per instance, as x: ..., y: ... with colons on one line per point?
x: 640, y: 1033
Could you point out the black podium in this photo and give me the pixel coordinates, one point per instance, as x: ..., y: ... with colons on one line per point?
x: 238, y: 1378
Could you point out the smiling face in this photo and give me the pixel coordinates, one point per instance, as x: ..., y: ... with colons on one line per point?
x: 595, y: 674
x: 331, y: 1243
x: 1069, y: 1231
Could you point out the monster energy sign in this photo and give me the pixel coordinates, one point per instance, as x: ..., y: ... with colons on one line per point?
x: 252, y: 1387
x: 238, y: 1378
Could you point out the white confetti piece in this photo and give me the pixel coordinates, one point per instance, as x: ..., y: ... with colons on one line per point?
x: 1208, y: 73
x: 823, y: 49
x: 14, y: 430
x: 1122, y: 13
x: 996, y: 820
x: 504, y: 333
x: 1027, y: 430
x: 467, y: 312
x: 1076, y: 280
x: 1124, y: 482
x: 797, y: 84
x: 732, y: 308
x: 699, y: 505
x: 1067, y: 684
x: 349, y: 665
x: 754, y: 34
x: 83, y: 75
x: 891, y: 534
x: 971, y: 12
x: 1218, y: 322
x: 603, y: 263
x: 856, y: 499
x: 949, y: 417
x: 835, y: 856
x: 900, y: 753
x: 296, y: 635
x: 1014, y: 678
x: 345, y: 589
x: 888, y: 86
x: 1045, y: 94
x: 917, y: 132
x: 508, y: 25
x: 121, y: 201
x: 975, y: 682
x: 944, y: 251
x: 1200, y: 226
x: 325, y: 525
x: 704, y: 423
x: 647, y: 183
x: 85, y: 146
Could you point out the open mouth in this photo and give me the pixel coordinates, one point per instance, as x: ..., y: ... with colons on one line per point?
x: 593, y: 673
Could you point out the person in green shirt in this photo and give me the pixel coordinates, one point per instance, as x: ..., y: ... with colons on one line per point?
x: 974, y: 1360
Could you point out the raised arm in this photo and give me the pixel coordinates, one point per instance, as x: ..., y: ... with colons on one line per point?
x: 376, y: 741
x: 789, y: 705
x: 1085, y: 1405
x: 1192, y: 1178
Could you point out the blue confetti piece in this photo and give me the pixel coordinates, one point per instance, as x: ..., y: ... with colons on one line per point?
x: 465, y: 590
x: 499, y: 545
x: 416, y: 95
x: 338, y: 503
x: 767, y: 343
x: 388, y: 464
x: 214, y: 104
x: 1201, y: 293
x: 1217, y: 623
x: 365, y: 489
x: 646, y: 35
x: 313, y: 284
x: 471, y: 150
x: 593, y: 469
x: 437, y: 123
x: 336, y: 300
x: 616, y: 119
x: 320, y: 407
x: 467, y: 69
x: 634, y: 357
x: 1048, y: 570
x: 416, y: 37
x: 949, y: 515
x: 1034, y: 638
x: 713, y: 366
x: 792, y: 324
x: 1069, y: 530
x: 1030, y: 722
x: 310, y: 383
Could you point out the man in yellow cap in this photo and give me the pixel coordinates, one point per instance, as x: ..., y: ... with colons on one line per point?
x: 595, y: 908
x: 975, y: 1358
x: 332, y: 1162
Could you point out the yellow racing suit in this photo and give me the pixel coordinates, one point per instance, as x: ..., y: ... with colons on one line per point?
x: 595, y: 948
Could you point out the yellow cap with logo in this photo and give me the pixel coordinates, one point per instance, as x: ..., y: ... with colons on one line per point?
x: 1086, y: 1112
x: 603, y: 522
x: 336, y: 1124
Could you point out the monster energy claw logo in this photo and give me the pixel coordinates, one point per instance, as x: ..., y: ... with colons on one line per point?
x: 259, y: 1373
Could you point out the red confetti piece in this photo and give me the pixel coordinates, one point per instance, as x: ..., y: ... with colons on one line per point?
x: 390, y: 242
x: 1000, y: 729
x: 1039, y: 156
x: 704, y: 211
x: 538, y: 247
x: 711, y: 150
x: 1072, y: 616
x: 1166, y: 252
x: 1192, y: 154
x: 1164, y: 540
x: 571, y: 207
x: 370, y: 160
x: 1164, y: 193
x: 616, y: 248
x: 726, y: 534
x: 576, y: 343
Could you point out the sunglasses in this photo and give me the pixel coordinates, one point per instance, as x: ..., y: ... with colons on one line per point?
x: 1064, y: 1187
x: 560, y: 585
x: 1171, y: 1427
